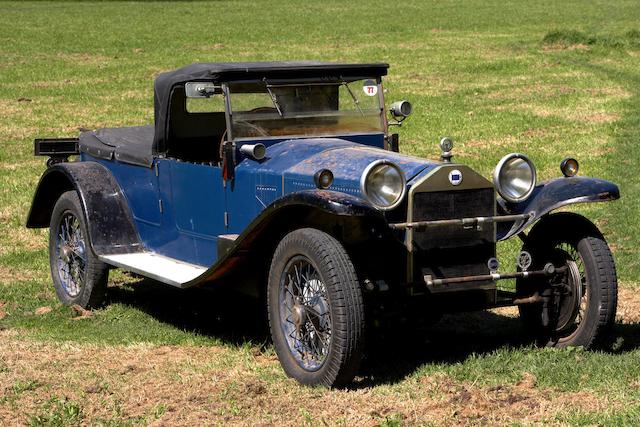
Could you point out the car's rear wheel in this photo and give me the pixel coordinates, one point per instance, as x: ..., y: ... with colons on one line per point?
x: 78, y: 275
x: 315, y: 306
x: 581, y: 302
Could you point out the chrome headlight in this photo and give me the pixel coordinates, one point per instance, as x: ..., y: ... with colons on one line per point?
x: 384, y: 184
x: 515, y: 177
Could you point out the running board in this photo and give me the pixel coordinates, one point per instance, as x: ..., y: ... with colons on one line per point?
x: 157, y: 267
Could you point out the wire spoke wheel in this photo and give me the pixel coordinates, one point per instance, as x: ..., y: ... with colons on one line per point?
x: 305, y: 315
x: 315, y: 307
x: 578, y: 306
x: 71, y: 255
x: 79, y: 277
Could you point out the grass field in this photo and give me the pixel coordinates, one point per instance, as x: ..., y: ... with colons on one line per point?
x: 549, y: 79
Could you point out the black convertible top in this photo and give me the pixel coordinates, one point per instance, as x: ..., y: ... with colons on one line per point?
x: 229, y: 71
x: 139, y: 145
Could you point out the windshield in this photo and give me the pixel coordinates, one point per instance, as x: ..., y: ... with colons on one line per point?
x: 267, y: 109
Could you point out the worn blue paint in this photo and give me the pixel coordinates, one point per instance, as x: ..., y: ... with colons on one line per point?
x: 290, y: 166
x: 370, y: 139
x: 140, y: 187
x: 179, y: 207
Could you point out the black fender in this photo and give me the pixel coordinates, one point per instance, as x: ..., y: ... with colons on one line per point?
x: 285, y: 214
x: 553, y: 194
x: 568, y: 224
x: 109, y: 220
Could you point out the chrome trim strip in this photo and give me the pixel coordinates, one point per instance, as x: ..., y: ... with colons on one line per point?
x: 548, y: 270
x: 465, y: 222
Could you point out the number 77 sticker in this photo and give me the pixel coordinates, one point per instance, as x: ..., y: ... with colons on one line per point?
x: 370, y: 88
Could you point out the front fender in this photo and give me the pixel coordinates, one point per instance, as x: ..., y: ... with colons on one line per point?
x: 283, y: 215
x: 333, y: 202
x: 553, y: 194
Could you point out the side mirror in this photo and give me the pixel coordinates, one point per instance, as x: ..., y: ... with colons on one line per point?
x: 201, y: 89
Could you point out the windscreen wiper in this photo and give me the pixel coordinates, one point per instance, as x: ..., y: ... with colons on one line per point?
x: 355, y: 100
x: 273, y: 97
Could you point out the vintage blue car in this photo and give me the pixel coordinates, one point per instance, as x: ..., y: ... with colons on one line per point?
x: 288, y: 173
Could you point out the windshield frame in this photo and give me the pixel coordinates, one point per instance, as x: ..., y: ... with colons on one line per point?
x: 228, y: 94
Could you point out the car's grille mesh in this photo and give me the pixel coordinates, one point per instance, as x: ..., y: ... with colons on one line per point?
x: 450, y: 205
x: 452, y: 251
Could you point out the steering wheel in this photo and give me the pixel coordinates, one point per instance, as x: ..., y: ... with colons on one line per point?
x: 264, y: 110
x: 259, y: 131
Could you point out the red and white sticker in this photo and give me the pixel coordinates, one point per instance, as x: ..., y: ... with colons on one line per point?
x: 370, y: 88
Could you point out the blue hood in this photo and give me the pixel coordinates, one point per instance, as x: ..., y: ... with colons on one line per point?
x: 298, y: 160
x: 290, y: 166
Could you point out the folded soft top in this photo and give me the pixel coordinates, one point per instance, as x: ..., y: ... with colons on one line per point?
x: 132, y: 145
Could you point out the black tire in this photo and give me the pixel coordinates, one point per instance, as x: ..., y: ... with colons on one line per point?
x: 341, y: 301
x: 584, y: 315
x: 78, y: 275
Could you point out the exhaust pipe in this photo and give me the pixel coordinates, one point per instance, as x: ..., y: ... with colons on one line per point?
x: 255, y: 151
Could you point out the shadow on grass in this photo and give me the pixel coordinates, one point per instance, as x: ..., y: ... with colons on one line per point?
x: 455, y: 338
x: 217, y: 312
x: 393, y: 352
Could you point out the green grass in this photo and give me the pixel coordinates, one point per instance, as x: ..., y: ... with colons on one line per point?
x: 550, y: 79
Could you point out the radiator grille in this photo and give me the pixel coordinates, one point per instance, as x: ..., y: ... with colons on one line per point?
x: 453, y: 251
x: 450, y: 205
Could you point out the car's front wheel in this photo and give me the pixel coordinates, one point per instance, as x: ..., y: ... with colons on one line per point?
x: 579, y: 305
x: 315, y: 306
x: 78, y: 275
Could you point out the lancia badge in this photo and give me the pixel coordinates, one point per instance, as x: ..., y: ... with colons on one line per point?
x: 455, y: 177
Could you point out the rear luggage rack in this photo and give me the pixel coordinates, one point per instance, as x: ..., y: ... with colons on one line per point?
x: 58, y: 149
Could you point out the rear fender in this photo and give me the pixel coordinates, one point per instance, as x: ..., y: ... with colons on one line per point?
x: 553, y: 194
x: 109, y: 220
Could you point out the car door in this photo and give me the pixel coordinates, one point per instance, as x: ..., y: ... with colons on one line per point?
x: 193, y: 199
x: 190, y: 175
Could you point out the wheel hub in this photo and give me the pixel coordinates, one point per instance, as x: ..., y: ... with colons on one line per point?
x: 299, y: 315
x: 65, y: 253
x: 570, y: 302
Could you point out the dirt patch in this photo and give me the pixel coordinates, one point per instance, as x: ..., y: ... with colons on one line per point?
x: 506, y: 311
x: 617, y: 92
x: 23, y: 238
x: 84, y: 58
x: 628, y: 305
x: 560, y: 47
x: 42, y: 310
x: 20, y: 166
x: 529, y: 91
x: 13, y: 107
x: 474, y: 148
x: 10, y: 275
x: 583, y: 115
x: 191, y: 385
